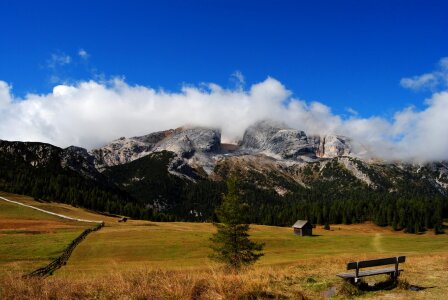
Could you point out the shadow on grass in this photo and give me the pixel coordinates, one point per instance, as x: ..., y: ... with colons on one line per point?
x: 391, y: 284
x: 351, y: 289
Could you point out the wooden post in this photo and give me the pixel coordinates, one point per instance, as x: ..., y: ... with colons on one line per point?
x: 397, y: 272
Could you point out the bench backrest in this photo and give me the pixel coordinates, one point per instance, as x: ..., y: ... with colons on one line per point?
x: 376, y: 262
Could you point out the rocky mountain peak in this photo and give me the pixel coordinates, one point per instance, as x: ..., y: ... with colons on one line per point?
x: 259, y: 134
x: 201, y: 147
x: 197, y: 152
x: 189, y: 141
x: 334, y: 145
x: 278, y: 140
x: 184, y: 142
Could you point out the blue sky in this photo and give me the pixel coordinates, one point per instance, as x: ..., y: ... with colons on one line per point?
x: 87, y: 72
x: 345, y: 54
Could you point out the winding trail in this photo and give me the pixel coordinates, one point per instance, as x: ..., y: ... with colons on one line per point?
x: 50, y: 213
x: 376, y: 242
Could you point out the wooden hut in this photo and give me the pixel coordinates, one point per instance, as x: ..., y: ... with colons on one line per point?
x: 303, y: 228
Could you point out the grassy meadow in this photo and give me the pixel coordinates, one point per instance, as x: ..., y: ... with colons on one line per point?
x: 29, y: 238
x: 175, y: 246
x: 141, y: 259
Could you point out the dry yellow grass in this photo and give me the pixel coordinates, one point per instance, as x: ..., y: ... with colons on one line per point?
x: 149, y: 285
x: 308, y: 279
x: 33, y: 225
x: 148, y: 260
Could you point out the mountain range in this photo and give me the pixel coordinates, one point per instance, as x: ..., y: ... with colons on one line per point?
x: 283, y: 173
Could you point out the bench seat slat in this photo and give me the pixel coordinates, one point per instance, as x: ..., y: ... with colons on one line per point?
x: 369, y: 273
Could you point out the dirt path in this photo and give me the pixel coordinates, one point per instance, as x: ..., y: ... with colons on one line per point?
x: 376, y: 242
x: 49, y: 212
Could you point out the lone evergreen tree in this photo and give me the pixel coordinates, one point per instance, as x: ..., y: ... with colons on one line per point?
x: 231, y: 243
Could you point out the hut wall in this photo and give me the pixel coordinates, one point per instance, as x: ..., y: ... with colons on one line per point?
x: 307, y: 231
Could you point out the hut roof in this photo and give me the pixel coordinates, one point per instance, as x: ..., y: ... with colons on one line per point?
x: 300, y: 223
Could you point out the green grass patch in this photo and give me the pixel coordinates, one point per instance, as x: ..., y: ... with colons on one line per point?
x: 30, y: 239
x: 186, y: 245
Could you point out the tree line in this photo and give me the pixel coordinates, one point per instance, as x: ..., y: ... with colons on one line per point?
x: 161, y: 196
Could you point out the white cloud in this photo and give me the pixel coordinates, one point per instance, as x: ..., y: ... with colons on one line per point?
x: 5, y: 94
x: 428, y: 80
x: 239, y: 79
x: 436, y: 80
x: 351, y: 111
x: 443, y: 63
x: 58, y: 59
x: 91, y: 114
x: 83, y: 54
x: 425, y: 132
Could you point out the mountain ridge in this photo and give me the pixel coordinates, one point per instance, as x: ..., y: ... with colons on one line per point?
x: 264, y: 137
x: 200, y: 149
x: 283, y: 174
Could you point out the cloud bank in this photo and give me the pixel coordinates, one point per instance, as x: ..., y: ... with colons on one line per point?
x: 92, y: 113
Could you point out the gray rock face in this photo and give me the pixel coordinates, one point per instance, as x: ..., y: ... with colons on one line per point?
x: 184, y: 142
x: 124, y: 150
x: 187, y: 142
x: 330, y: 146
x: 200, y: 147
x: 278, y: 140
x: 258, y: 136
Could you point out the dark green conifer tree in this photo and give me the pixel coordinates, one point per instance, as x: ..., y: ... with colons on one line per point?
x: 231, y: 244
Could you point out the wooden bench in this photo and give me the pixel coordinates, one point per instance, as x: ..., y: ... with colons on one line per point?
x: 394, y: 271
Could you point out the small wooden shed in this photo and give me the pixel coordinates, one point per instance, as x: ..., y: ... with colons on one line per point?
x: 303, y: 228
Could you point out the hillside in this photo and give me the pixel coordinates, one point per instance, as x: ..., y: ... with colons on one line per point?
x: 30, y: 239
x: 66, y: 175
x: 284, y: 174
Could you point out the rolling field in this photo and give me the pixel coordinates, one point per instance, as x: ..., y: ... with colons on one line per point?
x: 306, y: 265
x: 176, y: 246
x: 30, y: 239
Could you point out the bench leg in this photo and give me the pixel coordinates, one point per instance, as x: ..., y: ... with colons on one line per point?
x: 394, y: 275
x: 354, y: 281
